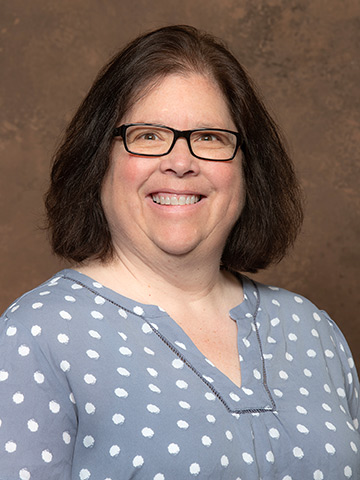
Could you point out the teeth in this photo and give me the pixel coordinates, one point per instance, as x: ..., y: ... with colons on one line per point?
x: 176, y: 200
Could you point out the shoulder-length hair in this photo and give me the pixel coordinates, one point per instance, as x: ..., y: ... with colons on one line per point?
x: 272, y: 214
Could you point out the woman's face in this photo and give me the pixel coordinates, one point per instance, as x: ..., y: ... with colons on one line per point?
x: 141, y: 226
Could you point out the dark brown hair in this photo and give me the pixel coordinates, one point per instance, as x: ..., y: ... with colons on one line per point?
x: 272, y: 214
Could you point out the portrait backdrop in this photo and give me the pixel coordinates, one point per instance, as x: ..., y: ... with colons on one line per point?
x: 303, y: 55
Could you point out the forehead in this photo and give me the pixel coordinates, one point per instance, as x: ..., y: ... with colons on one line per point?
x: 177, y: 96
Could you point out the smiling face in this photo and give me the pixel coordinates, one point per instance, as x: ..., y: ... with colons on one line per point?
x: 177, y: 203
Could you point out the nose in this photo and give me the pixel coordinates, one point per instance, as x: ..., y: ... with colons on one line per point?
x: 180, y: 161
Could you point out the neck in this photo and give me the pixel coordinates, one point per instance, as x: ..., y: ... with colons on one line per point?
x: 160, y: 279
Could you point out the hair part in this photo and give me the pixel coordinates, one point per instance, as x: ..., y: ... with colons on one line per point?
x: 272, y: 214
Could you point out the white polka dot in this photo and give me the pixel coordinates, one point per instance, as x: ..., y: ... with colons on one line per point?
x: 182, y: 424
x: 118, y: 419
x: 247, y: 458
x: 11, y: 331
x: 18, y: 398
x: 297, y: 452
x: 229, y: 435
x: 298, y: 299
x: 94, y: 334
x: 177, y: 363
x: 35, y: 330
x: 63, y: 338
x: 194, y: 469
x: 147, y: 432
x: 173, y: 448
x: 99, y: 300
x: 184, y: 405
x: 295, y: 318
x: 114, y: 450
x: 66, y: 437
x: 329, y: 353
x: 39, y: 377
x: 210, y: 418
x: 330, y: 448
x: 37, y: 305
x: 154, y: 388
x: 318, y: 475
x: 138, y: 310
x: 247, y: 391
x: 311, y: 353
x: 341, y: 392
x: 138, y: 461
x: 90, y: 379
x: 4, y: 375
x: 292, y: 337
x: 275, y: 321
x: 350, y: 378
x: 353, y: 447
x: 123, y: 371
x: 327, y: 388
x: 234, y: 397
x: 302, y: 428
x: 283, y: 375
x: 307, y: 372
x: 270, y: 456
x: 65, y: 365
x: 304, y: 391
x: 152, y: 408
x: 206, y: 441
x: 257, y: 374
x: 24, y: 474
x: 149, y: 352
x: 316, y: 317
x: 278, y: 392
x: 32, y: 425
x: 65, y: 315
x: 84, y: 474
x: 208, y: 379
x: 271, y: 339
x: 90, y: 408
x: 24, y: 350
x: 348, y: 472
x: 289, y: 357
x: 246, y: 342
x: 351, y: 362
x: 70, y: 298
x: 46, y: 456
x: 350, y: 426
x: 125, y: 351
x: 330, y: 426
x: 122, y: 313
x: 152, y: 372
x: 121, y: 393
x: 123, y: 335
x: 181, y: 345
x: 210, y: 396
x: 159, y: 476
x: 275, y: 302
x: 54, y: 407
x: 10, y: 446
x: 88, y: 441
x: 93, y: 354
x: 274, y: 433
x: 14, y: 308
x: 146, y: 328
x: 76, y: 286
x: 72, y: 398
x: 315, y: 333
x: 356, y: 422
x: 97, y: 315
x: 301, y: 410
x: 326, y: 407
x: 224, y: 461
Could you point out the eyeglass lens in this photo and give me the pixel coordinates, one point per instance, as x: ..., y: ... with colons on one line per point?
x: 153, y: 140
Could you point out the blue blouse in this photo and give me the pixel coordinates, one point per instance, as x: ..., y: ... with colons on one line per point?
x: 94, y: 385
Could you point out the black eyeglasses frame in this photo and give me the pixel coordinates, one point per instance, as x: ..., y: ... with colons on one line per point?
x: 121, y: 132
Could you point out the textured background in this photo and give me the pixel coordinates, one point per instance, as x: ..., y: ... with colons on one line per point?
x: 303, y: 54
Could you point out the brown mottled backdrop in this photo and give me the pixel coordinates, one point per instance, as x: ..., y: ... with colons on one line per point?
x: 304, y: 55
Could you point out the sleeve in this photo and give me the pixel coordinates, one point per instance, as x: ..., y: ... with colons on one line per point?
x: 37, y: 410
x: 351, y: 379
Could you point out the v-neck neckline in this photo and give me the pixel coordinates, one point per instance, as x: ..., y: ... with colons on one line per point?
x: 253, y: 396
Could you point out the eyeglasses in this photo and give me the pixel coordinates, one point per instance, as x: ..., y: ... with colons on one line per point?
x: 150, y: 140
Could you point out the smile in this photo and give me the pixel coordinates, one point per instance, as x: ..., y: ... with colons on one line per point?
x: 176, y: 199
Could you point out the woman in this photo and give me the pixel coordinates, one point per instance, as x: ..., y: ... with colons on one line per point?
x: 152, y: 357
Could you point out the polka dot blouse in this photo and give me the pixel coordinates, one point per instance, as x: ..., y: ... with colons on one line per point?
x: 96, y: 386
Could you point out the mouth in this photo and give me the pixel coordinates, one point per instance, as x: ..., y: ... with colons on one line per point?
x: 174, y: 199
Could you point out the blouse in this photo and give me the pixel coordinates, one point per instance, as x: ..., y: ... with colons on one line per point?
x: 94, y: 385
